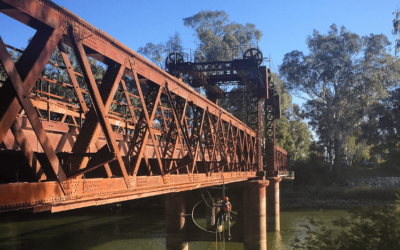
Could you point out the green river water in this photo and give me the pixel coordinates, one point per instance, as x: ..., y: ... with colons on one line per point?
x: 101, y: 228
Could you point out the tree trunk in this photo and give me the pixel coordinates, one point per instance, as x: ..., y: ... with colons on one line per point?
x: 338, y: 148
x: 330, y: 155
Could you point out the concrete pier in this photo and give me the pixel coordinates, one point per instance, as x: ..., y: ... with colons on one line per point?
x: 254, y: 217
x: 175, y: 221
x: 273, y: 204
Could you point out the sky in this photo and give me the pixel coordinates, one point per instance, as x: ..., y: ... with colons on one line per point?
x: 285, y: 24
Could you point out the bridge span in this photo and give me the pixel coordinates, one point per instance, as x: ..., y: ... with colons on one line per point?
x: 79, y: 138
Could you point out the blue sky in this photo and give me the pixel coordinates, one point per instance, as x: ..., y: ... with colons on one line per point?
x: 285, y: 24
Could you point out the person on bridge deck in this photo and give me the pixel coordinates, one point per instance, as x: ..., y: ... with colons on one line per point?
x: 225, y: 208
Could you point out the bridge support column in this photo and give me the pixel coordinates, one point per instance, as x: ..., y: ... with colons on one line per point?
x: 254, y: 216
x: 175, y: 221
x: 273, y: 204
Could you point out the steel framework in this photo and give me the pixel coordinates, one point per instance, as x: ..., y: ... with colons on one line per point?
x: 260, y: 88
x: 59, y: 152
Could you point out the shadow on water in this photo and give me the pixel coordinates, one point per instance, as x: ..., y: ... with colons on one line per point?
x: 126, y: 227
x: 91, y: 228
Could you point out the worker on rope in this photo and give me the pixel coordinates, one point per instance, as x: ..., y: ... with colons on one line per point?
x: 225, y: 209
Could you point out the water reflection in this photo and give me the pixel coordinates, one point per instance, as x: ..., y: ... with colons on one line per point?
x: 101, y: 228
x: 274, y: 240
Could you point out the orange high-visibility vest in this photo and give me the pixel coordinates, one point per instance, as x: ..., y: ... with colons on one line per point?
x: 227, y: 207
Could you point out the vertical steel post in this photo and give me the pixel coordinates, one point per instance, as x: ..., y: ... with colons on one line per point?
x: 259, y: 157
x: 48, y: 103
x: 270, y: 139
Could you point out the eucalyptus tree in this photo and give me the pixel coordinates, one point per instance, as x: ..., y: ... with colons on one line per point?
x: 158, y: 52
x: 383, y: 130
x: 396, y: 28
x: 342, y: 78
x: 218, y: 38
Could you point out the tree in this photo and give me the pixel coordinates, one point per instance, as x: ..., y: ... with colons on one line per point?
x: 174, y: 43
x: 342, y: 79
x: 291, y: 133
x: 14, y: 57
x: 154, y: 52
x: 396, y: 29
x: 356, y: 147
x: 157, y: 53
x: 219, y: 39
x: 382, y: 131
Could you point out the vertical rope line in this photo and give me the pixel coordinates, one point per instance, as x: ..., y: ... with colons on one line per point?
x: 216, y: 231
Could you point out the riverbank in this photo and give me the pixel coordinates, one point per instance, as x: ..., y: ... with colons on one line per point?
x: 359, y: 192
x: 305, y: 203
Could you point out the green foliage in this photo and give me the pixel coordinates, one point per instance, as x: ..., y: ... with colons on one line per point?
x: 291, y: 133
x: 219, y: 39
x: 342, y: 79
x: 382, y: 131
x: 356, y: 148
x: 294, y: 136
x: 396, y: 28
x: 369, y: 228
x: 158, y: 52
x: 14, y: 57
x: 154, y: 52
x: 312, y: 170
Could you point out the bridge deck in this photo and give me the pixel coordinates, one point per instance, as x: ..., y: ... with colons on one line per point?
x: 93, y: 192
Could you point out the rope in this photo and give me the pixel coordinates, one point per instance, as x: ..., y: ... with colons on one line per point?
x: 216, y: 239
x: 196, y: 222
x: 206, y: 201
x: 220, y: 240
x: 223, y: 190
x: 211, y: 198
x: 223, y: 234
x: 229, y: 223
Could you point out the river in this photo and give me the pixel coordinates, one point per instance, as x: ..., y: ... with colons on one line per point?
x: 100, y: 228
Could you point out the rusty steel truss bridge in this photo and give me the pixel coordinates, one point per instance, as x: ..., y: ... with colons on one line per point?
x: 138, y: 131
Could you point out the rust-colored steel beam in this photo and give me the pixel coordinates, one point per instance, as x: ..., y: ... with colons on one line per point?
x: 197, y: 131
x: 174, y: 132
x: 112, y: 50
x: 29, y: 66
x: 72, y: 77
x: 27, y: 150
x: 101, y: 100
x: 75, y: 137
x: 20, y: 91
x: 143, y: 127
x: 128, y: 100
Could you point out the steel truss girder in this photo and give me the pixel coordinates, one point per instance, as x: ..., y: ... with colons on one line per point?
x: 57, y: 27
x: 220, y: 141
x: 175, y: 132
x: 197, y: 130
x: 110, y: 49
x: 15, y: 89
x: 101, y: 100
x: 143, y: 127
